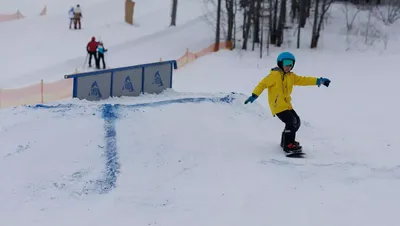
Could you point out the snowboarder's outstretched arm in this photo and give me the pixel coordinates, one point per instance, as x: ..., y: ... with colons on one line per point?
x: 310, y: 81
x: 263, y: 84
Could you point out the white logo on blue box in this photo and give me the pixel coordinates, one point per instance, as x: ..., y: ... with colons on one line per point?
x: 157, y: 79
x: 128, y: 85
x: 95, y: 90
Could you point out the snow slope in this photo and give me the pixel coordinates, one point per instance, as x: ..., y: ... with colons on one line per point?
x: 196, y: 155
x: 182, y: 159
x: 50, y: 50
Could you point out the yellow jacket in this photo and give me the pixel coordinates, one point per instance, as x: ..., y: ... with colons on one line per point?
x: 280, y: 87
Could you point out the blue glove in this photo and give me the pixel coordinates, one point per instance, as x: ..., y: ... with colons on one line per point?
x: 251, y: 99
x: 323, y: 81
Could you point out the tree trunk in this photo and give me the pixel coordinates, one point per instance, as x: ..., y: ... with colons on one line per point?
x: 308, y: 8
x: 256, y: 27
x: 245, y: 14
x: 262, y: 34
x: 234, y: 25
x: 293, y: 11
x: 315, y: 35
x: 231, y: 19
x: 325, y: 6
x: 281, y: 24
x: 217, y: 32
x: 248, y: 25
x: 274, y: 23
x: 174, y: 12
x: 302, y: 13
x: 300, y: 21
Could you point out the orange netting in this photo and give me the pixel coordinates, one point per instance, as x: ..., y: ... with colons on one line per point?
x: 18, y: 15
x: 62, y: 89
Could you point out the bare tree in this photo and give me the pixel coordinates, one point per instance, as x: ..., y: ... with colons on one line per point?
x: 392, y: 12
x: 350, y: 18
x: 231, y: 13
x: 273, y: 20
x: 368, y: 26
x: 211, y: 7
x: 318, y: 20
x: 294, y: 9
x: 256, y: 24
x: 249, y: 11
x: 370, y: 29
x: 303, y: 15
x: 174, y: 11
x: 235, y: 5
x: 301, y: 20
x: 281, y: 23
x: 217, y: 35
x: 264, y: 14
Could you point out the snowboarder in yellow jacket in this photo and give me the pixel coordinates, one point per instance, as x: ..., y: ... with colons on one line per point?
x: 280, y: 83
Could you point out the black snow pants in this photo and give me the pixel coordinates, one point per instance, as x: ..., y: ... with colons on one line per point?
x: 292, y: 125
x: 100, y: 56
x: 92, y: 54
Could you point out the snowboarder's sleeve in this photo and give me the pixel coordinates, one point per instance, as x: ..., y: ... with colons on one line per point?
x: 266, y: 82
x: 304, y: 80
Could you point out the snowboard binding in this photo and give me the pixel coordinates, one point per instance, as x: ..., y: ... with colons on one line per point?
x: 294, y: 152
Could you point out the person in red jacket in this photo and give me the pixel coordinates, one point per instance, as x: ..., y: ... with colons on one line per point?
x: 92, y: 49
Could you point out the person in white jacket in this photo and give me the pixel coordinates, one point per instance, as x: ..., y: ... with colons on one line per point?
x: 78, y: 16
x: 71, y: 17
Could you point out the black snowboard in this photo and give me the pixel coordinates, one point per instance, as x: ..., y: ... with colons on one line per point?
x: 296, y: 154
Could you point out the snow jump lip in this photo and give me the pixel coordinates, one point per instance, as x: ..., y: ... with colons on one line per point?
x: 108, y: 181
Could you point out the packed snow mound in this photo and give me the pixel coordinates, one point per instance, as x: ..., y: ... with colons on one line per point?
x: 177, y: 159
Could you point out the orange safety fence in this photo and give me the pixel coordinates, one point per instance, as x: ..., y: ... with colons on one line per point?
x: 18, y: 15
x: 62, y: 89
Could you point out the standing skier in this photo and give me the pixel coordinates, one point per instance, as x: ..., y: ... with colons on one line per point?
x: 91, y: 50
x: 280, y: 83
x: 100, y: 55
x: 77, y: 17
x: 71, y: 17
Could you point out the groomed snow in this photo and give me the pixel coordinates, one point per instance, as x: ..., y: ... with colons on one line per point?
x: 196, y: 155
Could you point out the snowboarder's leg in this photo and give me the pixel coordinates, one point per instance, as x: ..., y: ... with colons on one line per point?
x: 289, y: 133
x: 296, y: 123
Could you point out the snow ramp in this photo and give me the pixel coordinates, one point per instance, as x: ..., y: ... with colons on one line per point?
x: 177, y: 159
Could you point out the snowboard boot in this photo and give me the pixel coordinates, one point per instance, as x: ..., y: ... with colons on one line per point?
x: 283, y: 140
x: 292, y: 148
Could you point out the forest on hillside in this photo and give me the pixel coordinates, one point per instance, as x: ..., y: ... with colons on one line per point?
x: 263, y: 22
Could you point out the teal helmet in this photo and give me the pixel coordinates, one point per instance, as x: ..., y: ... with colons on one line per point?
x: 285, y: 57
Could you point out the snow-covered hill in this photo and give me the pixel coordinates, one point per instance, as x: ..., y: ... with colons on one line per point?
x: 194, y: 155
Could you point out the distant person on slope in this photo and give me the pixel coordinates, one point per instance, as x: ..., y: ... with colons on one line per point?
x: 280, y: 83
x: 91, y: 50
x: 78, y: 16
x: 100, y: 55
x: 71, y: 17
